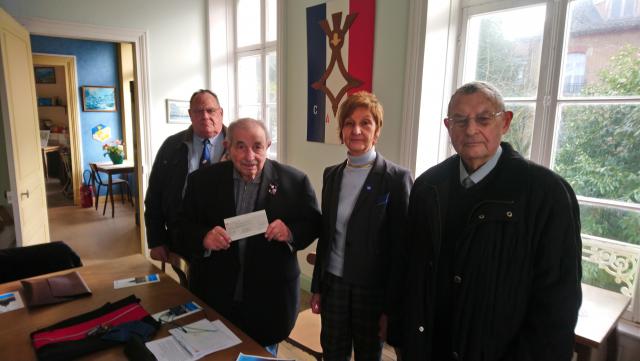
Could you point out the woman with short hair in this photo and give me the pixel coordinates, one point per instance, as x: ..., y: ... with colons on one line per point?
x: 364, y: 210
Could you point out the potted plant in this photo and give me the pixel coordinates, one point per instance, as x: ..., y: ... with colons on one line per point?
x: 115, y: 151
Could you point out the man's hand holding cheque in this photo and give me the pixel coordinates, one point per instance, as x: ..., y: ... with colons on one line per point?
x: 243, y: 226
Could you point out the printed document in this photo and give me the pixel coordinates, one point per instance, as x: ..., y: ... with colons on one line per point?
x: 136, y: 281
x: 193, y: 341
x: 10, y: 301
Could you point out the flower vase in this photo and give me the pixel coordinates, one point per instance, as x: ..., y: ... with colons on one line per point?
x: 116, y: 158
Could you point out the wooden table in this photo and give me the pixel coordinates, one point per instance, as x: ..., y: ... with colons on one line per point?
x: 15, y: 343
x: 45, y: 163
x: 599, y: 314
x: 110, y: 169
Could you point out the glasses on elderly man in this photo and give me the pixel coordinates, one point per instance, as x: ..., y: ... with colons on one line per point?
x: 210, y: 111
x: 482, y: 120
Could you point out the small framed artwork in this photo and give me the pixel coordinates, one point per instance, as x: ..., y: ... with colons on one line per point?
x: 45, y: 74
x: 45, y: 102
x: 178, y: 111
x: 98, y: 99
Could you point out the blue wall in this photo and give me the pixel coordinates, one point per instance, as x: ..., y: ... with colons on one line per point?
x: 96, y: 63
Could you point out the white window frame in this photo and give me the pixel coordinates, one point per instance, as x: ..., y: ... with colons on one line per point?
x: 224, y: 55
x: 434, y: 106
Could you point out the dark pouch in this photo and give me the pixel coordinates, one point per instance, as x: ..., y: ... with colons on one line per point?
x: 84, y: 334
x: 55, y: 289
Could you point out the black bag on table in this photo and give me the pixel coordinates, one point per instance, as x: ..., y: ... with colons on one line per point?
x: 110, y: 325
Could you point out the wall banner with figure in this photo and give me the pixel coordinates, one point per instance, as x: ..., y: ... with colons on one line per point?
x: 339, y: 61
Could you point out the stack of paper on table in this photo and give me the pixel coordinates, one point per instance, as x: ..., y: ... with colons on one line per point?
x: 193, y: 341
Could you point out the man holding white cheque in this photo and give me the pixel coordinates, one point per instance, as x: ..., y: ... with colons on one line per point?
x: 252, y: 281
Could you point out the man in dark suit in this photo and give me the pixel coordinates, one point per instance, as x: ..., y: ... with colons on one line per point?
x: 253, y: 282
x: 182, y: 153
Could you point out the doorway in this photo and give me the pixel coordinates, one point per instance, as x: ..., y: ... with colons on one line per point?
x: 56, y: 90
x: 75, y: 120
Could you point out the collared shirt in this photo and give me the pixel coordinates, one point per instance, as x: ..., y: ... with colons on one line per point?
x: 246, y: 195
x: 216, y: 148
x: 483, y: 171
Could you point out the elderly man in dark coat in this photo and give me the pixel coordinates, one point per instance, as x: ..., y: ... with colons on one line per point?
x: 494, y: 247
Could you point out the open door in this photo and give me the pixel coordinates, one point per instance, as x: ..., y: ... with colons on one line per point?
x: 20, y: 118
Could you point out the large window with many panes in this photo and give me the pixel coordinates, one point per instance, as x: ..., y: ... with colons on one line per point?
x: 256, y: 78
x: 570, y: 71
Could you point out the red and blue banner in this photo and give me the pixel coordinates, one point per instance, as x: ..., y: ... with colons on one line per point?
x: 339, y: 60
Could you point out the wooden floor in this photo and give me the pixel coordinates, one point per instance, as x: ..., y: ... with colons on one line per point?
x: 96, y: 237
x: 93, y: 236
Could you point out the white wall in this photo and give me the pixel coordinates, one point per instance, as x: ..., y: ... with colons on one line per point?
x: 388, y: 82
x: 177, y: 42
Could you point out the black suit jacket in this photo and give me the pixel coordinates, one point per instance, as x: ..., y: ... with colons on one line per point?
x: 375, y: 231
x: 271, y: 271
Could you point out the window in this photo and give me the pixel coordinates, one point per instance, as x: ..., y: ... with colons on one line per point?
x: 570, y: 71
x: 622, y: 8
x: 244, y: 69
x: 516, y: 35
x: 574, y: 73
x: 256, y: 78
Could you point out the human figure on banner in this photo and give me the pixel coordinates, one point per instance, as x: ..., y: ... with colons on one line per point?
x: 198, y: 146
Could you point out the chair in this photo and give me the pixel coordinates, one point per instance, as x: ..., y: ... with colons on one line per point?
x: 306, y: 333
x: 67, y: 188
x: 95, y: 175
x: 23, y: 262
x: 180, y: 267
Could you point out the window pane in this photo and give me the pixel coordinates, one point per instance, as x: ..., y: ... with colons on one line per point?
x: 249, y: 111
x: 248, y: 22
x: 272, y: 78
x: 521, y: 131
x: 598, y: 150
x: 272, y: 20
x: 504, y: 48
x: 612, y: 223
x: 249, y: 82
x: 602, y: 51
x: 272, y: 125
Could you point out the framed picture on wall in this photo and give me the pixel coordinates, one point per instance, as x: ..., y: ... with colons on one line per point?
x: 98, y: 99
x: 45, y: 74
x: 178, y: 111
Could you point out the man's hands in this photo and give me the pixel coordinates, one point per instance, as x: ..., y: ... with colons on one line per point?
x: 316, y: 303
x: 217, y: 239
x: 278, y: 231
x: 160, y: 253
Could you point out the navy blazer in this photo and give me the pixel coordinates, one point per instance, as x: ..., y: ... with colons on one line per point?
x: 271, y: 270
x: 375, y: 229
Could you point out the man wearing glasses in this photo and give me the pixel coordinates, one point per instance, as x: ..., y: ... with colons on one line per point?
x: 493, y: 247
x: 198, y: 146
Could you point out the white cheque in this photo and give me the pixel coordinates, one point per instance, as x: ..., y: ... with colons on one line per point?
x: 246, y: 225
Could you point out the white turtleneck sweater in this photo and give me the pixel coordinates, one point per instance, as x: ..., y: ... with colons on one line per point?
x: 352, y: 181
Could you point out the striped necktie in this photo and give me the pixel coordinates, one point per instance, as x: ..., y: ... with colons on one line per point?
x: 205, y: 158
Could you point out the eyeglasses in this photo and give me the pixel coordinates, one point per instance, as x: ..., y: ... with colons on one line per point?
x: 210, y: 111
x: 482, y: 120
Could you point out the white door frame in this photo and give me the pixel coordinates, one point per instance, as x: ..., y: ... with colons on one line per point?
x: 46, y: 27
